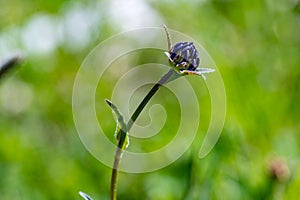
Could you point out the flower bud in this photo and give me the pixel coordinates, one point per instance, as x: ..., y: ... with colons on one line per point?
x: 184, y: 56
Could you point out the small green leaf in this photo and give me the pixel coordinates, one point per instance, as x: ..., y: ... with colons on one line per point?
x: 121, y: 129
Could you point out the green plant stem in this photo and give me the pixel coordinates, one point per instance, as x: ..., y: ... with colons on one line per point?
x: 114, y: 174
x: 147, y: 98
x: 137, y: 112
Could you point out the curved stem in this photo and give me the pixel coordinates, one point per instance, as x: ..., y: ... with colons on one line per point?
x: 147, y: 98
x: 137, y: 112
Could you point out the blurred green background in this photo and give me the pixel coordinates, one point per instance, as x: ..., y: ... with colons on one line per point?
x: 255, y: 45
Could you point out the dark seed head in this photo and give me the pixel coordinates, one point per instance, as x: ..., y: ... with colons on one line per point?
x: 184, y: 55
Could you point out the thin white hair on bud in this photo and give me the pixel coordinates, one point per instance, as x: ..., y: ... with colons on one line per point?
x: 204, y: 70
x: 168, y: 38
x: 167, y: 54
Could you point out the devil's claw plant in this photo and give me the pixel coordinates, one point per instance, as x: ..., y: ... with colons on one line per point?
x: 184, y: 60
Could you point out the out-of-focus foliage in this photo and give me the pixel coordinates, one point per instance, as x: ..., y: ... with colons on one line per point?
x: 255, y: 45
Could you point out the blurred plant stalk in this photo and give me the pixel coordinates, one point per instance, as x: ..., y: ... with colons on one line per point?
x: 10, y: 64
